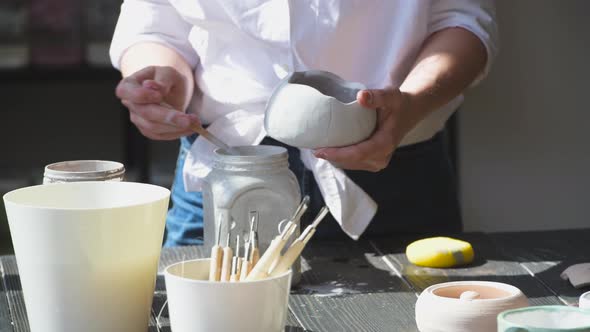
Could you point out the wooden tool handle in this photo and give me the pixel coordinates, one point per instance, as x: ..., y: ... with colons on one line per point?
x: 235, y: 277
x: 285, y: 262
x: 215, y: 263
x: 255, y: 257
x: 246, y: 267
x: 260, y: 270
x: 226, y: 264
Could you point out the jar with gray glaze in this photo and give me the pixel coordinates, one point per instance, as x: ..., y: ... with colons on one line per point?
x: 83, y: 170
x: 258, y: 180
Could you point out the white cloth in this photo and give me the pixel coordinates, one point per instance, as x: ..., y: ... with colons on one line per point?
x: 241, y: 49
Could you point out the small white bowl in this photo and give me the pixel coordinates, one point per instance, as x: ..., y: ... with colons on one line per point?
x: 316, y: 109
x: 465, y: 306
x: 196, y: 304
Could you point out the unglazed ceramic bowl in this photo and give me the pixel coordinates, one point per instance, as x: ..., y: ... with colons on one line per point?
x: 465, y: 306
x: 315, y: 109
x: 551, y: 318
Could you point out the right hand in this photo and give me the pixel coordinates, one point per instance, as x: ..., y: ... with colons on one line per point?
x: 144, y: 91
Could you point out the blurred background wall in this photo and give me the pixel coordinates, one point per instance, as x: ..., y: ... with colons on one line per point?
x: 57, y: 97
x: 523, y: 155
x: 524, y: 146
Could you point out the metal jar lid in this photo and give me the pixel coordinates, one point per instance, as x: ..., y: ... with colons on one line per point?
x: 84, y: 170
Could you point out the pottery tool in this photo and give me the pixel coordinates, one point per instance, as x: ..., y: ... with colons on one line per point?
x: 207, y: 134
x: 216, y: 257
x: 284, y: 262
x: 268, y: 259
x: 227, y: 258
x: 254, y: 251
x: 260, y: 270
x: 440, y: 252
x: 236, y: 264
x: 294, y: 219
x: 246, y: 264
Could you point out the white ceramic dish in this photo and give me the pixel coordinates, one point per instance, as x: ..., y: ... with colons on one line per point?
x: 551, y: 318
x: 198, y: 305
x: 87, y: 253
x: 314, y: 109
x: 465, y: 306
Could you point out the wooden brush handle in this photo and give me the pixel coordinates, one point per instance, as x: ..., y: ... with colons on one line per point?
x: 226, y: 264
x: 215, y: 263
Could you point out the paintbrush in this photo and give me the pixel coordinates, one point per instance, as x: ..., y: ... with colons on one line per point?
x: 206, y: 134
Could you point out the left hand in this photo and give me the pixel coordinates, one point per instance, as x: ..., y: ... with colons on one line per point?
x: 395, y: 119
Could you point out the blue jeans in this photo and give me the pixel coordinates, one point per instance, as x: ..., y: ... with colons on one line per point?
x: 416, y: 193
x: 184, y: 223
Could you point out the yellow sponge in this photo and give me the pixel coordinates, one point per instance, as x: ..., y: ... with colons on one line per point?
x: 440, y: 252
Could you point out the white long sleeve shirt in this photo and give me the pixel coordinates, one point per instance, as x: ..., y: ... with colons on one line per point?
x: 241, y: 49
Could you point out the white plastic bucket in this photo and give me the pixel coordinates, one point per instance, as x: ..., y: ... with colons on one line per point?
x: 87, y: 253
x: 198, y: 305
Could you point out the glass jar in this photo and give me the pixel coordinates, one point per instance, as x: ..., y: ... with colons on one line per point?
x: 257, y: 181
x: 83, y: 170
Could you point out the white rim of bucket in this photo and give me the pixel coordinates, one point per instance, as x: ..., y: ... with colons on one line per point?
x: 7, y: 199
x: 224, y: 283
x: 514, y: 291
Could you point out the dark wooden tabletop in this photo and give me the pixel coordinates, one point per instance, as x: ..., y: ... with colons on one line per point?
x: 370, y: 285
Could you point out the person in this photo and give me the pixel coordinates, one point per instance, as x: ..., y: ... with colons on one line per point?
x: 218, y: 61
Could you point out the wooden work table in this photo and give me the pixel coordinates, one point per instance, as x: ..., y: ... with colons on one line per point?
x: 369, y: 285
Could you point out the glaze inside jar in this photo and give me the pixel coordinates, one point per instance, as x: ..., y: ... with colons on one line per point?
x: 554, y: 317
x: 485, y: 292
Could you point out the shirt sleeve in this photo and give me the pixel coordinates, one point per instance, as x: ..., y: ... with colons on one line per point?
x: 151, y: 21
x: 476, y: 16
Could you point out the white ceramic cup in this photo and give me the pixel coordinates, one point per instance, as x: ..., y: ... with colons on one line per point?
x: 198, y: 305
x: 87, y: 253
x: 585, y: 301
